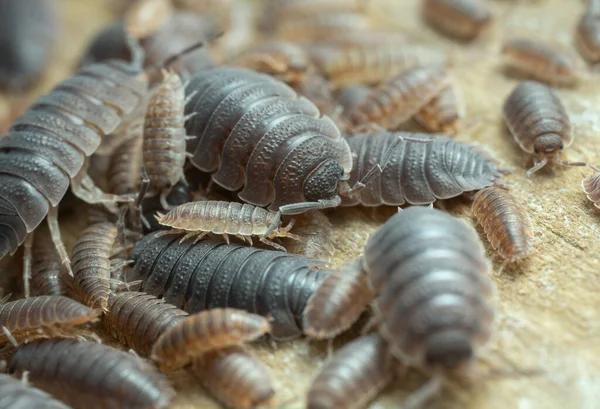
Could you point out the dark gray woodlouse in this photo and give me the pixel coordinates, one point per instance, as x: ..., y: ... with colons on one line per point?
x: 29, y: 31
x: 87, y: 375
x: 212, y: 274
x: 254, y: 133
x: 463, y: 19
x: 138, y: 319
x: 417, y: 173
x: 354, y: 376
x: 108, y: 44
x: 15, y: 394
x: 587, y: 32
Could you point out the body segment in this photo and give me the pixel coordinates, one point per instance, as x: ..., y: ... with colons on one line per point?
x: 16, y: 394
x: 463, y: 19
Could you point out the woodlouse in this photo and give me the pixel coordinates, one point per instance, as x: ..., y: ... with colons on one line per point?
x: 462, y: 19
x: 254, y: 133
x: 53, y: 315
x: 393, y: 102
x: 538, y: 122
x: 108, y: 44
x: 206, y: 331
x: 138, y: 319
x: 211, y: 274
x: 315, y: 230
x: 124, y: 171
x: 211, y: 216
x: 354, y: 376
x: 442, y: 113
x: 430, y: 273
x: 338, y: 302
x: 417, y: 173
x: 91, y: 376
x: 145, y: 17
x: 543, y: 62
x: 504, y: 221
x: 321, y: 27
x: 48, y: 274
x: 15, y: 394
x: 236, y: 378
x: 587, y: 33
x: 92, y: 266
x: 591, y: 186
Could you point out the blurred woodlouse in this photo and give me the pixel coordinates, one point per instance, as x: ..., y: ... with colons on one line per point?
x: 354, y: 376
x: 48, y: 274
x: 320, y: 27
x: 53, y: 315
x: 206, y: 331
x: 138, y: 319
x: 212, y: 274
x: 393, y: 102
x: 92, y: 266
x: 338, y: 302
x: 315, y: 230
x: 462, y: 19
x: 591, y: 186
x: 145, y: 17
x: 254, y: 133
x: 91, y: 375
x: 236, y: 378
x: 16, y: 394
x: 417, y: 173
x: 211, y: 216
x: 27, y: 38
x: 505, y: 223
x: 110, y: 43
x: 543, y: 62
x: 538, y: 122
x: 442, y: 113
x: 587, y: 32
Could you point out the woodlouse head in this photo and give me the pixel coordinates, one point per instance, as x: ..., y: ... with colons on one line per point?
x: 548, y: 144
x: 322, y: 182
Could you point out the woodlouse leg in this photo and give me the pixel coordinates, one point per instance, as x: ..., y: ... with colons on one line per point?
x: 200, y: 237
x: 9, y: 336
x: 52, y: 220
x: 27, y: 263
x: 272, y: 244
x: 226, y: 237
x: 298, y: 208
x: 536, y: 167
x: 163, y: 199
x: 86, y: 190
x: 276, y: 221
x: 168, y: 232
x: 245, y: 239
x: 188, y: 236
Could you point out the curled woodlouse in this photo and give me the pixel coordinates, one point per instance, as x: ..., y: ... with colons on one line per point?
x: 29, y: 31
x: 354, y: 376
x: 138, y: 319
x: 463, y: 19
x: 417, y: 173
x: 145, y: 17
x: 206, y: 331
x: 53, y: 315
x: 91, y: 376
x: 393, y: 102
x: 164, y: 136
x: 338, y: 302
x: 211, y: 216
x: 212, y: 274
x: 504, y: 221
x: 538, y: 122
x: 48, y: 274
x: 587, y: 33
x: 442, y: 113
x: 430, y: 273
x: 236, y: 378
x: 91, y: 264
x: 315, y: 230
x: 254, y: 133
x: 16, y: 394
x: 542, y: 62
x: 125, y: 166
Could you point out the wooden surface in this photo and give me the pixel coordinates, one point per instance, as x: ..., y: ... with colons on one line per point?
x: 548, y: 308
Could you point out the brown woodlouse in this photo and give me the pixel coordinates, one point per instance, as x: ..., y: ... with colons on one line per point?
x: 254, y: 133
x: 15, y: 394
x: 138, y: 319
x: 321, y: 27
x: 462, y: 19
x: 87, y: 375
x: 538, y: 122
x: 587, y: 33
x: 393, y: 102
x: 53, y: 315
x: 236, y: 378
x: 591, y: 186
x: 164, y: 137
x: 504, y: 221
x: 217, y: 217
x: 124, y: 171
x: 315, y: 230
x: 354, y: 376
x: 212, y: 274
x: 338, y: 302
x: 92, y: 265
x: 416, y: 173
x: 442, y: 113
x: 48, y: 274
x: 206, y: 331
x: 543, y: 62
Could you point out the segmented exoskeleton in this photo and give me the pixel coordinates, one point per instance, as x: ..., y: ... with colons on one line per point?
x: 587, y: 33
x: 17, y: 394
x: 463, y: 19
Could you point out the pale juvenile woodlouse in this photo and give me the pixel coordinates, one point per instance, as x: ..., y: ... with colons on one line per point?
x: 138, y: 319
x: 206, y: 331
x: 416, y: 173
x: 212, y: 274
x: 505, y: 222
x: 16, y: 394
x: 42, y: 316
x: 197, y: 219
x: 48, y: 274
x: 254, y: 133
x: 236, y: 378
x: 87, y: 375
x: 354, y: 376
x: 538, y: 122
x: 463, y: 19
x: 587, y: 32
